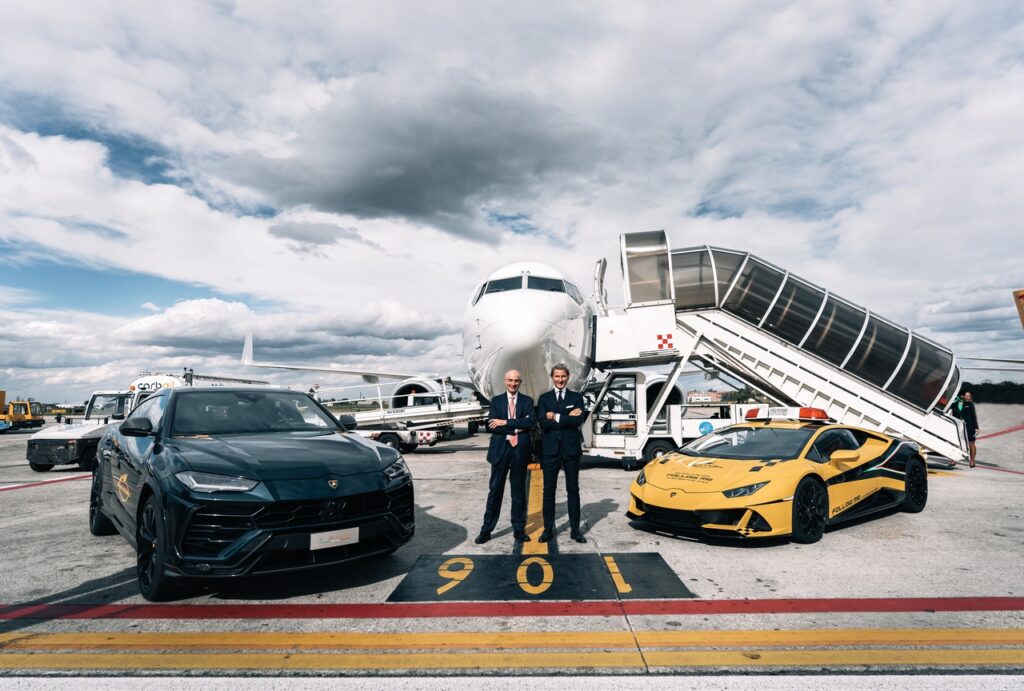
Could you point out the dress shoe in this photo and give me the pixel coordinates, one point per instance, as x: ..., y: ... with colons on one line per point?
x: 545, y: 536
x: 521, y: 537
x: 483, y: 537
x: 579, y: 538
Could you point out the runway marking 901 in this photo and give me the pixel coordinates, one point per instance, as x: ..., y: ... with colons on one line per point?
x: 550, y: 577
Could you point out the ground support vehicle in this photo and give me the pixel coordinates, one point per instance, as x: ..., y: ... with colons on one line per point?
x: 223, y: 482
x: 629, y: 421
x: 407, y: 427
x: 404, y: 440
x: 795, y: 344
x: 20, y: 414
x: 74, y: 442
x: 786, y: 472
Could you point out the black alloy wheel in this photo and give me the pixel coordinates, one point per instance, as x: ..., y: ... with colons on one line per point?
x: 99, y: 524
x: 916, y: 488
x: 810, y: 511
x: 154, y: 584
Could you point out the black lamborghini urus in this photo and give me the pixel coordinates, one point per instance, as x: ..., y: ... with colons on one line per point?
x: 225, y: 482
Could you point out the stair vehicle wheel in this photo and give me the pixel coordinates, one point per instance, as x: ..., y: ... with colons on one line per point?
x: 392, y: 440
x: 810, y: 511
x: 474, y: 427
x: 656, y: 448
x: 916, y: 488
x: 40, y: 467
x: 407, y: 448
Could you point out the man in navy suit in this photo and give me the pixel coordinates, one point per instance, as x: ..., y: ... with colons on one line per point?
x: 509, y: 421
x: 561, y: 413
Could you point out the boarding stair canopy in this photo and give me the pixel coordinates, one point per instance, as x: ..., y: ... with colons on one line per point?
x: 795, y: 341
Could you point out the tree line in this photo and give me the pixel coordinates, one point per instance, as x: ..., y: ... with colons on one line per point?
x: 1003, y: 392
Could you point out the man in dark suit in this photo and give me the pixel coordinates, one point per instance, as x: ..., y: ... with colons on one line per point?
x: 561, y: 413
x: 509, y: 421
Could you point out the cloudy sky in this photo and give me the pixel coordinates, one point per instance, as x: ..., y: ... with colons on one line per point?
x: 336, y: 177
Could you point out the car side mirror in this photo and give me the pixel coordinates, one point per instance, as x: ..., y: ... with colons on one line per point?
x: 348, y: 421
x: 844, y: 456
x: 137, y: 427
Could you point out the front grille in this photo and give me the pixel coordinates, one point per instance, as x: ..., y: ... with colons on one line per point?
x: 400, y: 503
x: 682, y: 521
x: 213, y: 527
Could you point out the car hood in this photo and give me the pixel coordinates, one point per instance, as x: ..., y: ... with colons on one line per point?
x: 281, y: 456
x: 698, y: 474
x: 77, y: 430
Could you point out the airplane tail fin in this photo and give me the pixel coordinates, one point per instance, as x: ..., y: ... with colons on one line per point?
x: 247, y: 350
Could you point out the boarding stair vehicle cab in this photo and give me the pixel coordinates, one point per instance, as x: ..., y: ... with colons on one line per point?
x: 74, y: 441
x: 794, y: 343
x: 20, y: 414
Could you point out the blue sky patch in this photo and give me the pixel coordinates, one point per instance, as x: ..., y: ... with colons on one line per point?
x: 520, y: 224
x: 111, y: 291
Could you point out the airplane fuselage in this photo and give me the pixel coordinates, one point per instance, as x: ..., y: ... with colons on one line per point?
x: 529, y: 317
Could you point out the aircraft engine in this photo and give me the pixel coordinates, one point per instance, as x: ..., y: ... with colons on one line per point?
x: 412, y: 392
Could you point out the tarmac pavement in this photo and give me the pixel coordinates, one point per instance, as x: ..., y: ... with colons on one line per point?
x: 937, y: 592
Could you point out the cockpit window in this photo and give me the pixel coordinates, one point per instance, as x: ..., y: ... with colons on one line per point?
x: 574, y: 293
x: 552, y: 285
x: 479, y: 293
x: 503, y: 284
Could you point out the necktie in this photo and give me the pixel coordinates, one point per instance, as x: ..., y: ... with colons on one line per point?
x: 560, y: 393
x: 512, y: 438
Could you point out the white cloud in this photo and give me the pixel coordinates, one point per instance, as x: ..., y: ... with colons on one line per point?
x: 350, y: 174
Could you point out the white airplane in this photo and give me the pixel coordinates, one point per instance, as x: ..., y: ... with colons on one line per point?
x: 526, y: 316
x: 529, y: 317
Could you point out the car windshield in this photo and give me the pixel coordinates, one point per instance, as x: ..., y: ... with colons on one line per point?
x: 104, y: 405
x: 750, y: 443
x: 247, y: 412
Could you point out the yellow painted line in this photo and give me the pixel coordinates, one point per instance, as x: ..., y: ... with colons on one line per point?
x: 535, y: 514
x: 804, y: 638
x: 357, y: 661
x: 493, y: 640
x: 834, y: 658
x: 502, y: 640
x: 942, y: 473
x: 523, y: 660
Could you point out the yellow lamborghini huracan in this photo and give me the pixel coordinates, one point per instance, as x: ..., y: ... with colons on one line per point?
x: 784, y: 471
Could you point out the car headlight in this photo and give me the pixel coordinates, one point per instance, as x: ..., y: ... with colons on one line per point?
x: 208, y: 482
x: 397, y: 471
x: 641, y: 478
x: 744, y: 491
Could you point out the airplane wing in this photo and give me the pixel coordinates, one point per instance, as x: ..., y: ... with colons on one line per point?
x: 369, y: 376
x: 1009, y: 361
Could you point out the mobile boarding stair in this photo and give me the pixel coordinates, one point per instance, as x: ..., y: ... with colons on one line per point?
x: 795, y: 342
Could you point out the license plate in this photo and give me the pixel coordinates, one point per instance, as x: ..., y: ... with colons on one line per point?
x: 334, y: 538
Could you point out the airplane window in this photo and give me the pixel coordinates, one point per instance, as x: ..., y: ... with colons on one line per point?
x: 574, y: 292
x: 479, y: 293
x: 552, y: 285
x: 504, y: 284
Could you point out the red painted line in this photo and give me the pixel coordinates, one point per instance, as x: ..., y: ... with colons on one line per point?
x: 46, y: 482
x: 1016, y: 428
x: 591, y: 608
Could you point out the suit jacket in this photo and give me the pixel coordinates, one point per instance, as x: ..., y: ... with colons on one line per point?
x: 521, y: 425
x: 563, y: 435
